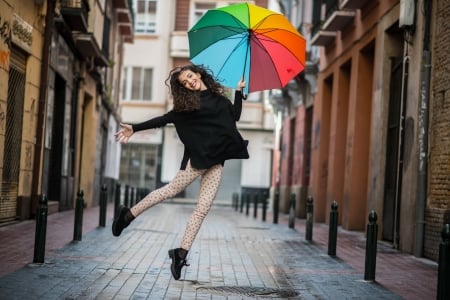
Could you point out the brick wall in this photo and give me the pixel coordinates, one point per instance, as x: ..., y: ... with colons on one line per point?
x: 439, y: 164
x: 182, y: 15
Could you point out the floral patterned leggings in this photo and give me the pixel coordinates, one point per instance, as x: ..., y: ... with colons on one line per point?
x: 209, y: 185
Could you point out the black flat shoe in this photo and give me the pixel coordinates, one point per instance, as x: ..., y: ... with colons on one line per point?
x: 178, y: 257
x: 124, y: 218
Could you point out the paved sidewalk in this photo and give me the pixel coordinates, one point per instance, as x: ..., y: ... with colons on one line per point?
x: 234, y: 257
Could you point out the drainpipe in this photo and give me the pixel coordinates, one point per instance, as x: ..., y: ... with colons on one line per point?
x: 423, y: 133
x: 40, y: 126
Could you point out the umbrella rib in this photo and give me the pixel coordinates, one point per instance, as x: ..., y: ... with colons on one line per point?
x: 234, y: 50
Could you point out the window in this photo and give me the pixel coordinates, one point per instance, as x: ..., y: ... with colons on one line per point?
x: 138, y: 165
x: 202, y: 6
x: 145, y: 16
x: 137, y: 83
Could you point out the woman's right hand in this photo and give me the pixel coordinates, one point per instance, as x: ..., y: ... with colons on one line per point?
x: 124, y: 134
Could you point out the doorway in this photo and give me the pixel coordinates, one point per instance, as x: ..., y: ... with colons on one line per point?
x: 13, y: 137
x: 392, y: 186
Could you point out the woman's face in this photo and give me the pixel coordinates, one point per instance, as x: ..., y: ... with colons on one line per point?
x: 191, y: 80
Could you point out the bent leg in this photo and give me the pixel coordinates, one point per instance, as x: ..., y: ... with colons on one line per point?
x: 178, y: 184
x: 208, y: 190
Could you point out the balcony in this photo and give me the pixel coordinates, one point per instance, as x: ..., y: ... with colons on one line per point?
x: 338, y: 19
x: 325, y: 28
x: 125, y: 19
x: 121, y: 4
x: 179, y: 44
x: 88, y: 47
x: 352, y: 4
x: 75, y: 14
x: 323, y: 38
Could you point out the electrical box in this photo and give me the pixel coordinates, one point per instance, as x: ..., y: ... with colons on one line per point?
x: 407, y: 12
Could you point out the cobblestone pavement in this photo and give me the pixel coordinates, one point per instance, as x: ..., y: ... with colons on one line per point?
x: 234, y: 257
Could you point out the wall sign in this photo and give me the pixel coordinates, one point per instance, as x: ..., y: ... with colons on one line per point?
x: 22, y: 33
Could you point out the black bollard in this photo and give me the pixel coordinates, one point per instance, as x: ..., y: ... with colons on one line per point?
x: 443, y: 288
x: 130, y: 196
x: 78, y: 226
x: 333, y: 227
x: 264, y: 206
x: 127, y: 192
x: 242, y: 203
x: 116, y: 199
x: 292, y: 211
x: 247, y: 203
x: 103, y: 203
x: 309, y: 218
x: 236, y: 208
x: 255, y: 205
x: 371, y: 247
x: 41, y: 230
x: 276, y: 206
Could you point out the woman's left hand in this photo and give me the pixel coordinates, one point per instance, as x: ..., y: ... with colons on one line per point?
x: 241, y: 84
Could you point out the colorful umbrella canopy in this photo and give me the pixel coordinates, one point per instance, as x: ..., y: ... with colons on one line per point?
x: 247, y: 41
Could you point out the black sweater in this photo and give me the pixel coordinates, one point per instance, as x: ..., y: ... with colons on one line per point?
x: 209, y: 135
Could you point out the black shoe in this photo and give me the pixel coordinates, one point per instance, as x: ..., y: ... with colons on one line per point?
x: 124, y: 218
x: 178, y: 257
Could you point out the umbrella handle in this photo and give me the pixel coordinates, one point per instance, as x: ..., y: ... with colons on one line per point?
x: 244, y: 96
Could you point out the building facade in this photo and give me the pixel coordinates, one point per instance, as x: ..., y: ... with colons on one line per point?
x: 60, y: 62
x: 377, y: 131
x: 435, y: 171
x: 294, y: 107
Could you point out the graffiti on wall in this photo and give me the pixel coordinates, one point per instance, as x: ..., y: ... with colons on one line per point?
x: 2, y: 117
x: 5, y: 41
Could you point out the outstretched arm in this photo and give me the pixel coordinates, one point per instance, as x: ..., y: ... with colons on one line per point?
x: 124, y: 134
x: 127, y: 130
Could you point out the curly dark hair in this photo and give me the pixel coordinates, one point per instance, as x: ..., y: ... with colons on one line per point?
x: 185, y: 99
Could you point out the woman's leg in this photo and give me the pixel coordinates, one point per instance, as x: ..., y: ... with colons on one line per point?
x: 208, y: 190
x: 178, y: 184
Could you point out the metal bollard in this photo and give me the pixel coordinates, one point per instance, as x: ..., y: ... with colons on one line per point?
x: 235, y: 201
x: 333, y: 227
x: 309, y: 218
x: 41, y: 230
x: 247, y: 203
x: 103, y: 203
x: 255, y: 205
x: 371, y: 247
x: 116, y: 199
x: 242, y: 203
x: 130, y: 196
x: 292, y: 211
x: 137, y: 195
x: 127, y: 192
x: 276, y: 206
x: 443, y: 288
x: 78, y: 226
x: 264, y: 204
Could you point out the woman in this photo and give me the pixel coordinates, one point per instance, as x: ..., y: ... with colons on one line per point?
x: 205, y: 121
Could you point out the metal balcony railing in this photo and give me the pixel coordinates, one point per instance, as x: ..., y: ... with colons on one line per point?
x: 76, y: 13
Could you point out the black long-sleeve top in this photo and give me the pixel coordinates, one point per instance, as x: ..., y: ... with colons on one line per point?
x: 209, y: 134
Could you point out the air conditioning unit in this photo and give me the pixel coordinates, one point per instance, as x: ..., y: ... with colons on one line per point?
x: 407, y: 13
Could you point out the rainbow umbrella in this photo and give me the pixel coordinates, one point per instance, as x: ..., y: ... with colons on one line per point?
x: 247, y: 41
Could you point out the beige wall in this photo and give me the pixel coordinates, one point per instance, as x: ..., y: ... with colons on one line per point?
x: 31, y: 18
